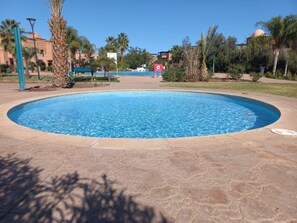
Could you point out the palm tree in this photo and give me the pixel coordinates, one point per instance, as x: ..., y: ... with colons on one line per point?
x: 277, y: 30
x: 7, y: 36
x: 106, y: 63
x: 123, y: 43
x: 205, y: 44
x: 111, y: 44
x: 73, y: 41
x: 28, y: 54
x: 290, y: 23
x: 87, y: 47
x: 57, y: 26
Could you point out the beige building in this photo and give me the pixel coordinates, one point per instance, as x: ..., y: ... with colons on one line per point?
x: 45, y: 54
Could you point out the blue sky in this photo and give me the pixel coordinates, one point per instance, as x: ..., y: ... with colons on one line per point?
x: 155, y: 25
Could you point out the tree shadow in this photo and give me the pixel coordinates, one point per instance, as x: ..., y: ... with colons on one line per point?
x: 25, y: 198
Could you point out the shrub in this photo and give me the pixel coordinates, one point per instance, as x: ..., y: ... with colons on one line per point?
x: 50, y: 68
x: 174, y: 75
x: 3, y: 68
x: 42, y: 67
x: 256, y: 76
x: 269, y: 74
x: 279, y: 74
x: 236, y: 71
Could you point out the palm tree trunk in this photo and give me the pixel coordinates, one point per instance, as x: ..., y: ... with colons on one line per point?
x: 286, y: 69
x: 203, y: 71
x: 122, y: 56
x: 276, y: 54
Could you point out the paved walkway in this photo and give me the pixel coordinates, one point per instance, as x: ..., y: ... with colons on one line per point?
x: 241, y: 177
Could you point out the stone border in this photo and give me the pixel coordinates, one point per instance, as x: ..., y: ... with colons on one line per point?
x: 13, y: 130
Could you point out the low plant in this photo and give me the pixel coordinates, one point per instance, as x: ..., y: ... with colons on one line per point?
x: 236, y: 71
x: 268, y: 74
x: 255, y: 76
x: 50, y: 68
x: 3, y: 68
x: 174, y: 75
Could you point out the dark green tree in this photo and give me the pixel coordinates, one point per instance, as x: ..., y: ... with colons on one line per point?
x: 123, y: 44
x: 177, y: 52
x: 73, y: 41
x: 137, y: 57
x: 205, y: 44
x: 7, y: 36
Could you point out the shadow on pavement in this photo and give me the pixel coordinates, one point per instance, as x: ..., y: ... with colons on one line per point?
x: 69, y: 198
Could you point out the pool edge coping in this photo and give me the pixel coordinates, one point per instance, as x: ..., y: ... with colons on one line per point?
x: 13, y: 130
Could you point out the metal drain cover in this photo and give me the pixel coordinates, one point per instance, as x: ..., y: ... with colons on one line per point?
x: 284, y: 132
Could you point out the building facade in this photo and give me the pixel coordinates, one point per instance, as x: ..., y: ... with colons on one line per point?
x: 44, y: 54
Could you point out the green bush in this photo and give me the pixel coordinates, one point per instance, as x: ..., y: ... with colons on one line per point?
x: 236, y: 71
x: 42, y: 67
x: 269, y: 74
x: 3, y: 68
x: 50, y: 68
x: 174, y: 75
x: 279, y: 74
x: 256, y: 76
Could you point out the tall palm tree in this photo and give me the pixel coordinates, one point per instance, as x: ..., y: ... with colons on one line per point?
x: 205, y: 44
x: 73, y: 41
x: 7, y: 36
x: 123, y: 42
x: 277, y: 30
x: 87, y: 47
x: 290, y: 23
x: 28, y: 54
x: 57, y: 26
x: 106, y: 63
x: 111, y: 44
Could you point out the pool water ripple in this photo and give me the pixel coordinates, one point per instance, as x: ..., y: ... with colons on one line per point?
x: 144, y: 114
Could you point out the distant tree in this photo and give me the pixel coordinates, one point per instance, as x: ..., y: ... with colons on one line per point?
x: 28, y: 54
x: 290, y: 38
x: 223, y: 51
x: 258, y: 53
x: 58, y: 26
x: 177, y: 53
x: 102, y: 52
x: 87, y: 47
x: 123, y: 44
x: 190, y: 60
x: 7, y: 35
x: 111, y: 45
x: 137, y: 57
x: 106, y: 63
x: 205, y: 44
x: 73, y: 41
x: 277, y: 31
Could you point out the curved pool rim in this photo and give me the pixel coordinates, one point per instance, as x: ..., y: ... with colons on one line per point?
x: 232, y: 94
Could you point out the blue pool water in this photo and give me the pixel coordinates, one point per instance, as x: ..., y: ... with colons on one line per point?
x: 144, y: 114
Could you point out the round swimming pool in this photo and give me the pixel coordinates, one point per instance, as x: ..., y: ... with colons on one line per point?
x: 144, y: 114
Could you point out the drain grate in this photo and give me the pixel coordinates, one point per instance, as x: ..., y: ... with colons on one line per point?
x: 284, y: 132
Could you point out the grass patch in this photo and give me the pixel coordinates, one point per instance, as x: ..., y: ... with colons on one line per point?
x: 289, y: 90
x: 96, y: 79
x: 15, y: 78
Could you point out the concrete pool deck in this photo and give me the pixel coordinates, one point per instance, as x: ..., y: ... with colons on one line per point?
x: 249, y: 176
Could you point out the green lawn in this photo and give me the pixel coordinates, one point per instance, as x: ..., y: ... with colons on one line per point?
x: 14, y: 78
x: 289, y: 90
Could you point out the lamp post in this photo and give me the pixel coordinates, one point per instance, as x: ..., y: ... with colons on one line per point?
x: 32, y: 23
